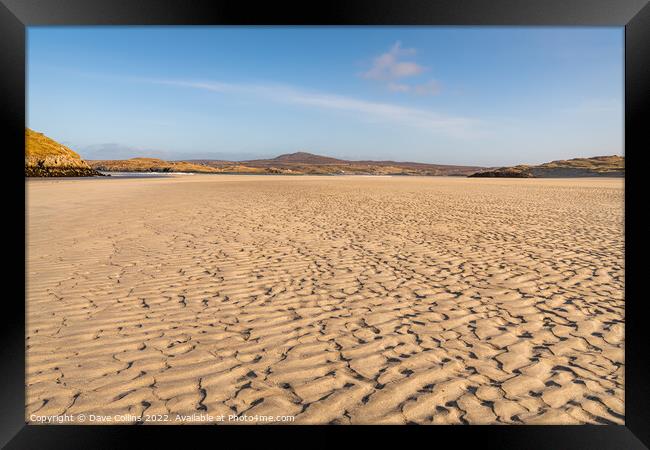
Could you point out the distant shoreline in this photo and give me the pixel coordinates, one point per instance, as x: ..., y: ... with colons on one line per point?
x: 173, y: 175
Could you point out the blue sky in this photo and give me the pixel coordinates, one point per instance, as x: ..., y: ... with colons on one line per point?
x: 452, y: 95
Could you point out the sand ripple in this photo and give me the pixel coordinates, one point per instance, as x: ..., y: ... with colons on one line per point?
x: 337, y: 300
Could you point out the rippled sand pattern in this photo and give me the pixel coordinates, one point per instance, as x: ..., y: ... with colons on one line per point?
x: 336, y: 300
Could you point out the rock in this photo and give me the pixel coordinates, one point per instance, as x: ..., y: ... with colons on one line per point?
x: 505, y: 172
x: 45, y: 157
x: 597, y: 166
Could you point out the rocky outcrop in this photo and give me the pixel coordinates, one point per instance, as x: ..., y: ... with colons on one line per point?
x: 44, y: 157
x: 505, y: 172
x: 598, y: 166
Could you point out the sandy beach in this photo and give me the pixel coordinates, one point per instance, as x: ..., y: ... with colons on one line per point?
x: 362, y: 300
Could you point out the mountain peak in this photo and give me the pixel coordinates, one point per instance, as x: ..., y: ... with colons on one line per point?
x: 306, y: 158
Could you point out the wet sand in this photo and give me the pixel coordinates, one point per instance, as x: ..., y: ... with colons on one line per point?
x: 329, y: 299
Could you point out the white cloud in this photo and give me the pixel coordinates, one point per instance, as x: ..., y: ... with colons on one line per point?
x: 389, y: 66
x: 364, y: 109
x: 390, y: 69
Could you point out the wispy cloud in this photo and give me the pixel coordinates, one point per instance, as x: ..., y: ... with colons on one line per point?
x: 391, y: 69
x: 391, y: 66
x: 365, y: 109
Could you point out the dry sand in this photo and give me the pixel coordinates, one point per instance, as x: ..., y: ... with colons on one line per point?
x: 331, y: 299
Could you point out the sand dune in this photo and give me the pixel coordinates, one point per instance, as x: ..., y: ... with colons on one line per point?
x: 330, y: 299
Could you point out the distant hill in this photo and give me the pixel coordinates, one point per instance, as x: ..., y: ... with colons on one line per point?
x: 598, y: 166
x: 148, y: 165
x: 162, y: 166
x: 298, y: 158
x: 44, y: 157
x: 303, y: 163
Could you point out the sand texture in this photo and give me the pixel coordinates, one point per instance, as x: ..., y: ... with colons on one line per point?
x: 330, y: 299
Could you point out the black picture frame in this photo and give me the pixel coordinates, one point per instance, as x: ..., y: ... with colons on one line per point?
x: 634, y: 15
